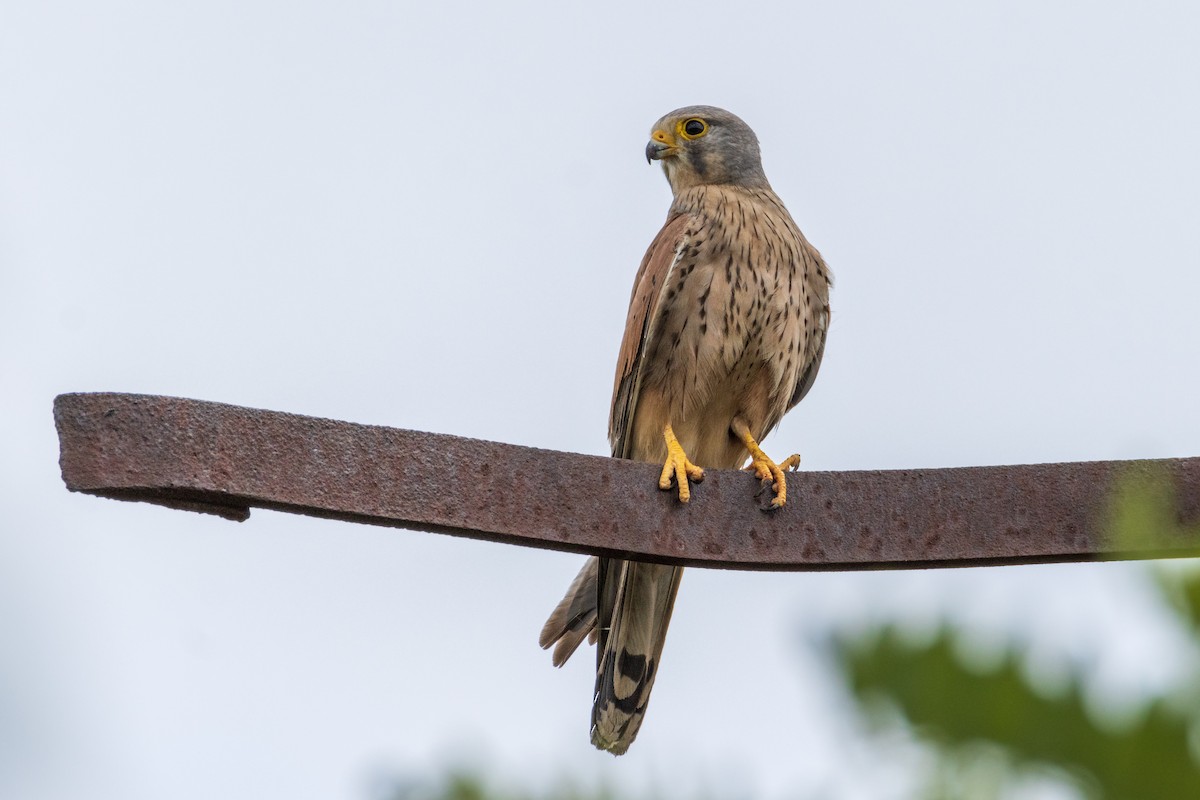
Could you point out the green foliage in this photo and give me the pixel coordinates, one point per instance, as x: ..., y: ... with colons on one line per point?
x: 470, y: 784
x: 954, y: 708
x: 963, y: 712
x: 1144, y: 513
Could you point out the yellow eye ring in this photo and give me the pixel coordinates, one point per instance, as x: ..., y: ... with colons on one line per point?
x: 693, y: 128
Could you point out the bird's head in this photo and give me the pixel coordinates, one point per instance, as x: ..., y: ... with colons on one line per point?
x: 701, y: 145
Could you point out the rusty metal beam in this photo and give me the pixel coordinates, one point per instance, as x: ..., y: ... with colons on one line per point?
x: 225, y: 459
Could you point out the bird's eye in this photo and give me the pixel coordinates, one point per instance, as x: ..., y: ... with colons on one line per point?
x: 694, y: 128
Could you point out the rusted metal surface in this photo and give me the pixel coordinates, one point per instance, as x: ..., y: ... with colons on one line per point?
x: 225, y: 459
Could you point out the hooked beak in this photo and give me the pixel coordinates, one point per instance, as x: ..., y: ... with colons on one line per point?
x: 661, y: 146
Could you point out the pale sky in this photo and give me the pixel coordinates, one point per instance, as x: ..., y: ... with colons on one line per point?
x: 429, y: 216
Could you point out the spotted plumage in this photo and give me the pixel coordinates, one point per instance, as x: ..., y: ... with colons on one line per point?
x: 725, y: 334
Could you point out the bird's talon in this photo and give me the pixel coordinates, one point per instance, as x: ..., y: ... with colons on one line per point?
x: 767, y: 470
x: 678, y: 468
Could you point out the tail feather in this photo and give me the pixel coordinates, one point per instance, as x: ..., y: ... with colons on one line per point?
x: 626, y: 606
x: 574, y: 618
x: 633, y: 620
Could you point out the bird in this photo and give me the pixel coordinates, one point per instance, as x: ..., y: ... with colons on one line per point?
x: 725, y: 334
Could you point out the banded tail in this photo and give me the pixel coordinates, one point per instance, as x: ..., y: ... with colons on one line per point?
x: 627, y: 606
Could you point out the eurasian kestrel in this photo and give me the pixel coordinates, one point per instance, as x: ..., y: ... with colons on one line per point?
x: 725, y: 334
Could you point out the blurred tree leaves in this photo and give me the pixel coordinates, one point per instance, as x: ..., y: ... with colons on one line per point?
x: 468, y: 783
x: 989, y: 726
x: 957, y: 708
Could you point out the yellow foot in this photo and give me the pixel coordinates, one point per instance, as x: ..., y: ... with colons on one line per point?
x: 766, y: 469
x: 678, y: 467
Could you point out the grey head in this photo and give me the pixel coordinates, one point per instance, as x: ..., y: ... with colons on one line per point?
x: 705, y: 145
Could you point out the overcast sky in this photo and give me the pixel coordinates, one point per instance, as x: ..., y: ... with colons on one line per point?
x: 430, y: 217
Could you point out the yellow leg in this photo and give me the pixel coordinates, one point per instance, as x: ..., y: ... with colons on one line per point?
x: 678, y: 467
x: 766, y: 469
